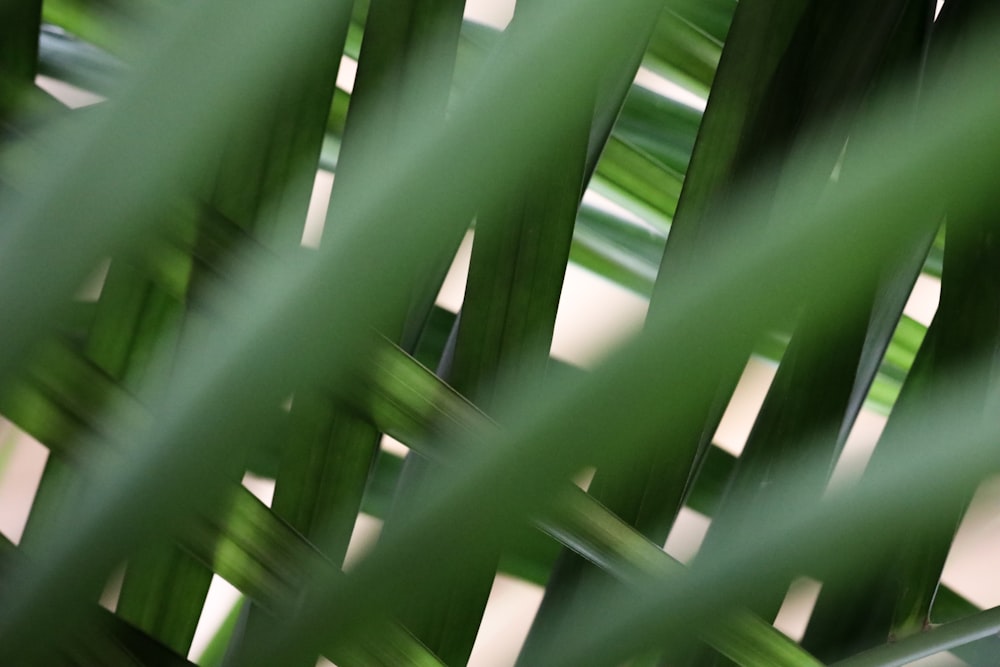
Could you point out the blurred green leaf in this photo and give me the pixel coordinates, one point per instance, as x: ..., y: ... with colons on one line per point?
x: 193, y: 179
x: 985, y: 624
x: 106, y: 639
x: 585, y: 428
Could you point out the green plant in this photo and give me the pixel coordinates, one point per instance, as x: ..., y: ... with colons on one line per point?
x: 837, y: 140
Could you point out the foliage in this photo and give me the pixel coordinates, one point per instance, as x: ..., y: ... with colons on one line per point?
x: 789, y: 221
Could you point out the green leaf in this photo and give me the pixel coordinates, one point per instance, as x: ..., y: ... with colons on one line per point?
x: 807, y: 412
x: 326, y: 461
x: 617, y: 248
x: 534, y: 469
x: 687, y: 43
x: 105, y: 639
x: 122, y: 179
x: 508, y: 316
x: 985, y: 624
x: 407, y: 399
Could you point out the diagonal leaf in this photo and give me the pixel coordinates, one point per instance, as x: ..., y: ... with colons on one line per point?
x: 107, y: 640
x: 687, y: 43
x: 806, y: 413
x: 534, y: 469
x: 329, y: 452
x: 406, y: 399
x: 508, y: 316
x: 264, y: 558
x: 649, y: 492
x: 241, y: 539
x: 518, y: 507
x: 258, y: 554
x: 849, y: 616
x: 956, y: 634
